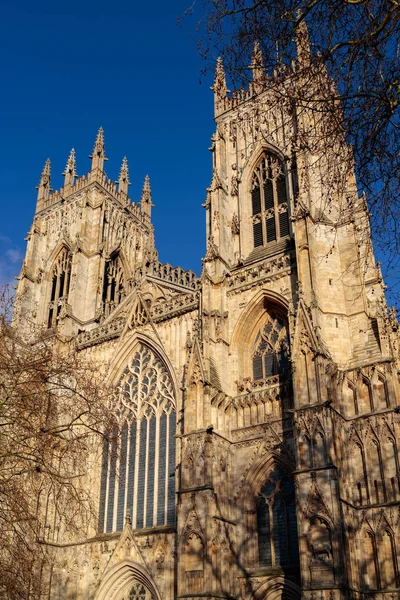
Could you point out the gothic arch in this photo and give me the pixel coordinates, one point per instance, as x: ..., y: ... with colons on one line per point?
x: 369, y: 565
x: 277, y: 588
x: 365, y: 399
x: 380, y: 390
x: 260, y: 150
x: 63, y: 243
x: 125, y: 350
x: 122, y: 575
x: 258, y: 472
x: 248, y: 325
x: 124, y: 262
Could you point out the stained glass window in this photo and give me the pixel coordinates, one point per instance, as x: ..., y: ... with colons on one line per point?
x: 276, y: 521
x: 138, y: 469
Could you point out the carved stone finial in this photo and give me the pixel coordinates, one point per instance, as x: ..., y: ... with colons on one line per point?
x: 44, y: 184
x: 219, y: 87
x: 123, y: 181
x: 98, y: 156
x: 70, y: 169
x: 145, y: 201
x: 303, y: 42
x: 189, y: 343
x: 128, y: 519
x: 257, y: 67
x: 212, y: 250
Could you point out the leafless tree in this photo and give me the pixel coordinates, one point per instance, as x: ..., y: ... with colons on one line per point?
x: 53, y: 409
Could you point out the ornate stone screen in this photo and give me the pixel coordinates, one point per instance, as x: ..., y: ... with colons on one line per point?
x: 138, y: 470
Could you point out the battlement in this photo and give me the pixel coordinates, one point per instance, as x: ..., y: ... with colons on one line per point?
x: 169, y: 273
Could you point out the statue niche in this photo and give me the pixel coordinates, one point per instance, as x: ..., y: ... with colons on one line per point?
x: 320, y: 545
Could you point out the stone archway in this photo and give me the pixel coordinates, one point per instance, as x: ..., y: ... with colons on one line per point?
x: 127, y: 580
x: 277, y: 588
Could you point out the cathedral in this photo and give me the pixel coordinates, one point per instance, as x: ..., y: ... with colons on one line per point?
x: 258, y: 405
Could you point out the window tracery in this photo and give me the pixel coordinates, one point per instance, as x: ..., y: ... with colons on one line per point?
x: 269, y: 201
x: 139, y: 458
x: 277, y: 522
x: 60, y: 282
x: 114, y: 283
x: 271, y: 354
x: 139, y: 592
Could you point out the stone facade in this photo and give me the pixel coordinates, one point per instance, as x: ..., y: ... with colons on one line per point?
x: 258, y: 404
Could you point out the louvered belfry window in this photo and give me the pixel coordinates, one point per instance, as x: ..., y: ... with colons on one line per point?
x: 60, y: 282
x: 271, y: 353
x: 269, y: 201
x: 138, y: 470
x: 114, y: 284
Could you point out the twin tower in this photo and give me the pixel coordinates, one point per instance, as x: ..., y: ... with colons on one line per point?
x: 259, y: 403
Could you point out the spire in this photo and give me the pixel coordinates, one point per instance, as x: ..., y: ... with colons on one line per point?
x: 219, y: 87
x: 123, y: 181
x: 257, y: 67
x: 145, y: 202
x: 98, y: 157
x: 44, y: 185
x: 70, y: 169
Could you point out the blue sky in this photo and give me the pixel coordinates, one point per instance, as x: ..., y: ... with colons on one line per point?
x: 69, y: 68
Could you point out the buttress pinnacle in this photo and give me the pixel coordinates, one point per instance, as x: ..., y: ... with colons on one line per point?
x: 257, y: 67
x: 145, y: 202
x: 303, y: 42
x: 219, y: 87
x: 70, y: 169
x: 98, y: 157
x: 123, y: 181
x: 44, y: 183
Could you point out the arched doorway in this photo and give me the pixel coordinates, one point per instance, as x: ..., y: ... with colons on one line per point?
x: 127, y: 580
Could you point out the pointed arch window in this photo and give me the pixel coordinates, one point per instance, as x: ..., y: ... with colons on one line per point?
x: 277, y: 521
x: 138, y: 470
x: 114, y: 283
x: 271, y: 352
x: 60, y: 282
x: 269, y: 200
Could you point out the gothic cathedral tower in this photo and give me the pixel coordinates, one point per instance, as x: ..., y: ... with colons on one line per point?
x: 257, y: 455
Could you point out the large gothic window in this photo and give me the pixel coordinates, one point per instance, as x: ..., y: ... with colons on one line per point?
x: 138, y: 472
x: 269, y: 201
x: 60, y: 281
x: 271, y: 351
x: 276, y: 522
x: 114, y: 283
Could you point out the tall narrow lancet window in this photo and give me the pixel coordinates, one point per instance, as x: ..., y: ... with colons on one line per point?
x: 269, y: 201
x: 60, y: 282
x: 114, y: 283
x: 138, y: 470
x: 276, y: 522
x: 271, y: 351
